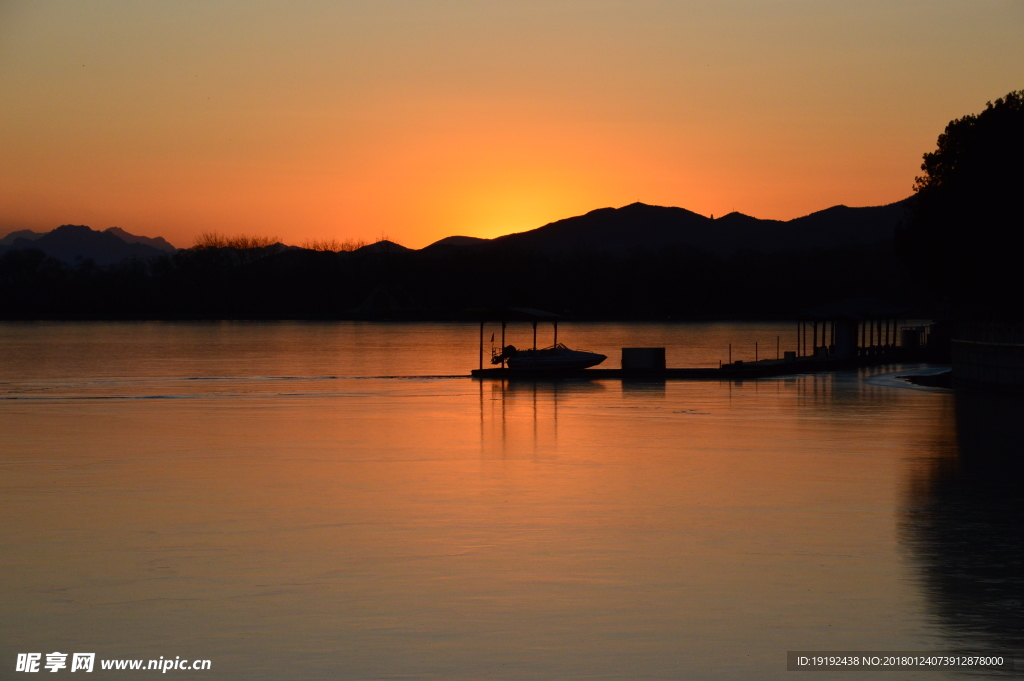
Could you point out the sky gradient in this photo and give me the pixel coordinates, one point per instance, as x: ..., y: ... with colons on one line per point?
x: 419, y: 119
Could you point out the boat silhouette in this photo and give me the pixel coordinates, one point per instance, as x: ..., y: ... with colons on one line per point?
x: 556, y: 357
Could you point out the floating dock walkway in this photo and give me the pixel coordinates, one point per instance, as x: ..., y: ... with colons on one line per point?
x: 851, y: 336
x: 766, y: 368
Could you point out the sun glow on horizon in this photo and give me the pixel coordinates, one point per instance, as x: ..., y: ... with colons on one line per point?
x: 348, y: 121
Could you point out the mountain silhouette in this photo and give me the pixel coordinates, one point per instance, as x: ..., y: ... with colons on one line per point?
x: 20, y: 234
x: 621, y: 231
x: 155, y: 242
x: 383, y: 246
x: 638, y: 262
x: 73, y: 243
x: 640, y: 227
x: 457, y: 241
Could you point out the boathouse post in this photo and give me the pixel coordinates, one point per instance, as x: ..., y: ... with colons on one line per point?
x: 535, y: 338
x: 502, y: 343
x: 481, y: 345
x: 556, y: 331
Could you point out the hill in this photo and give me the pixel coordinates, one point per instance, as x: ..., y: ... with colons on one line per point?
x: 20, y: 234
x: 635, y: 262
x: 74, y: 243
x: 639, y: 226
x: 455, y: 242
x: 383, y: 246
x: 155, y: 242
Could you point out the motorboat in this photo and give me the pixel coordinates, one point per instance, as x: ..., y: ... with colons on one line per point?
x: 554, y: 358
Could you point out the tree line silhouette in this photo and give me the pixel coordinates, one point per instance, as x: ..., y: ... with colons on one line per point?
x: 271, y: 281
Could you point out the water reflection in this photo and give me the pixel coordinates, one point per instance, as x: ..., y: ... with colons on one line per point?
x: 289, y: 522
x: 525, y: 412
x: 965, y: 522
x: 643, y: 388
x: 828, y: 391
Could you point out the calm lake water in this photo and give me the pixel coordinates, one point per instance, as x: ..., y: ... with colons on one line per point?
x: 336, y: 501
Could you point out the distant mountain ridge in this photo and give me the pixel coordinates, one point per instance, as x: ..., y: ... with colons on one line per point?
x: 155, y: 242
x: 73, y: 243
x: 20, y: 234
x: 383, y: 246
x: 617, y: 231
x: 639, y: 226
x: 630, y: 263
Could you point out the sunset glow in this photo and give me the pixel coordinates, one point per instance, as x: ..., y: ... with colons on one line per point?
x: 422, y: 120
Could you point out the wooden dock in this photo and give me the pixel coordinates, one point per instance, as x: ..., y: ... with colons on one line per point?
x: 852, y: 335
x: 766, y: 368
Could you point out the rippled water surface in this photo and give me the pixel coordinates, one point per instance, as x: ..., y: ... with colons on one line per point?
x: 337, y: 500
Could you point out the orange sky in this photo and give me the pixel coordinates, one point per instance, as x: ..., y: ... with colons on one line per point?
x: 419, y: 119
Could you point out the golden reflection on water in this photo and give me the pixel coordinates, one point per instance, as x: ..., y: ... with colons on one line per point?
x: 449, y: 528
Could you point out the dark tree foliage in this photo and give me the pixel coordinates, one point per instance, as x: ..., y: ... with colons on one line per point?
x: 965, y: 236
